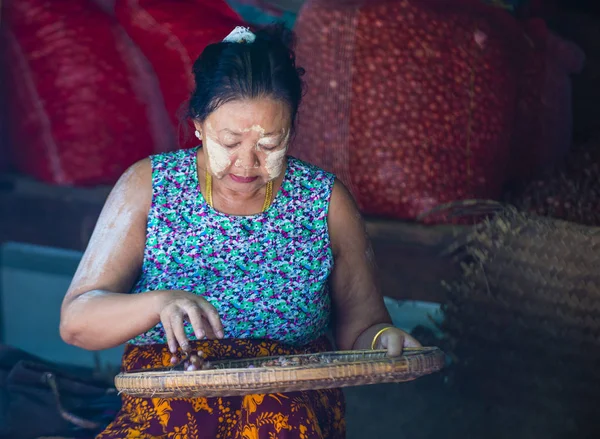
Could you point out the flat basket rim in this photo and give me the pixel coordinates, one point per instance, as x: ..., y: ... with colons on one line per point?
x: 374, y: 367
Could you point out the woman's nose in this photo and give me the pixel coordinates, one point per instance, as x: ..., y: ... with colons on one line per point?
x: 247, y: 158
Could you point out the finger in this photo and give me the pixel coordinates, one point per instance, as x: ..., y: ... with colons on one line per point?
x: 171, y: 342
x: 411, y: 342
x: 394, y: 343
x: 213, y: 318
x: 179, y: 331
x: 194, y: 315
x: 210, y: 334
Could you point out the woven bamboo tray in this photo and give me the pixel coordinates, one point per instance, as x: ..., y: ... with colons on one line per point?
x: 234, y: 378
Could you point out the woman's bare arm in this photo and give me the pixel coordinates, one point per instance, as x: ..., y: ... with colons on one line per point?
x: 96, y: 312
x: 358, y: 304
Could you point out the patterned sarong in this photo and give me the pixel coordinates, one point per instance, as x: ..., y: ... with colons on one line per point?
x: 299, y: 415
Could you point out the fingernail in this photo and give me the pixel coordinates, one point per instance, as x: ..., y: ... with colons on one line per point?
x: 220, y: 334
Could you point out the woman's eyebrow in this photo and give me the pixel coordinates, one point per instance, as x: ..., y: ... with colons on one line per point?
x: 230, y: 132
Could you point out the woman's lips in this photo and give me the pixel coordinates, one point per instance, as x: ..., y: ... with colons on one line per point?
x: 239, y: 179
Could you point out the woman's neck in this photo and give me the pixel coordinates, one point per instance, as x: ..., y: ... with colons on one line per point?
x: 228, y: 197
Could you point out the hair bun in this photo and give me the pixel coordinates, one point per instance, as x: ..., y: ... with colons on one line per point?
x: 227, y: 71
x: 276, y: 34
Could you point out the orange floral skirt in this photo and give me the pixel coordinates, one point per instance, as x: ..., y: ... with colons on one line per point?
x: 317, y: 414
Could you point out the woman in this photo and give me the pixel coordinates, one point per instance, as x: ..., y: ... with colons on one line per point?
x: 233, y: 249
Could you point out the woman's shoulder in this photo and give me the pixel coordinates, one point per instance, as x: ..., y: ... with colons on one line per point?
x: 134, y: 187
x: 137, y: 175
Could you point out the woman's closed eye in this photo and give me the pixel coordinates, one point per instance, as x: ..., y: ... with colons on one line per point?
x: 268, y: 146
x: 231, y: 145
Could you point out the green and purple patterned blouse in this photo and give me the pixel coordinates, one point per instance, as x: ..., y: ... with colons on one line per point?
x: 266, y: 274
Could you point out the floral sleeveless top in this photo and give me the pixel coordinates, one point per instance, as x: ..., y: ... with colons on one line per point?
x: 266, y: 274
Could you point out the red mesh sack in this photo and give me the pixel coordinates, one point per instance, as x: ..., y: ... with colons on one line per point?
x: 81, y: 106
x: 411, y: 103
x: 544, y: 119
x: 172, y: 35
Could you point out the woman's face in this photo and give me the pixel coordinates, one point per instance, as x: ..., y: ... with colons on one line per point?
x: 245, y: 142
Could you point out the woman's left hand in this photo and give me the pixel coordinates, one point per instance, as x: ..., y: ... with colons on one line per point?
x: 394, y: 340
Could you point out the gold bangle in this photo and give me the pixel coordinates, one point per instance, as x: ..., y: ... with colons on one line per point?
x: 377, y: 336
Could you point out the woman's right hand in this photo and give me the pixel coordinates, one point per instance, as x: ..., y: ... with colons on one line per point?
x: 176, y: 306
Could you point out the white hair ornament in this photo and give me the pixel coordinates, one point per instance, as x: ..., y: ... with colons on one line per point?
x: 240, y: 34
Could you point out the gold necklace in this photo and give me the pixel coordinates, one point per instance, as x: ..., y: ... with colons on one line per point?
x: 209, y: 198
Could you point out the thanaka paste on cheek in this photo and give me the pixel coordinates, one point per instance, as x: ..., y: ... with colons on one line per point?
x: 275, y: 160
x: 219, y: 157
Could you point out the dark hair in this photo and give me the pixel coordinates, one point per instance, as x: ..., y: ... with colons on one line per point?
x: 265, y: 68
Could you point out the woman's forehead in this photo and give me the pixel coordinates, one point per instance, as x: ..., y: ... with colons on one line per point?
x: 263, y: 116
